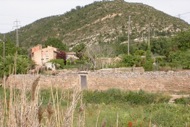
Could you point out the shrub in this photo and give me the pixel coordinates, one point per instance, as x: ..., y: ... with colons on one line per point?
x: 131, y: 60
x: 148, y: 66
x: 117, y: 96
x: 179, y: 59
x: 59, y: 63
x: 183, y: 100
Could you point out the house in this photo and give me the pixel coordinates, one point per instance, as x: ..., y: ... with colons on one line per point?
x: 42, y: 55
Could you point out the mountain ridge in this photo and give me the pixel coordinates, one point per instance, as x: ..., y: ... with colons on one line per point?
x: 104, y: 21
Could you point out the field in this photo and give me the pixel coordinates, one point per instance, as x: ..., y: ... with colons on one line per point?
x: 55, y: 107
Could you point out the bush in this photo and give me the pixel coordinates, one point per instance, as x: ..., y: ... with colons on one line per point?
x: 148, y: 66
x: 183, y: 100
x: 59, y: 63
x: 117, y: 96
x: 179, y: 59
x: 131, y: 60
x: 182, y: 40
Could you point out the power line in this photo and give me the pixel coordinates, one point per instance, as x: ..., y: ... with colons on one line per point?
x: 23, y: 16
x: 5, y: 24
x: 179, y: 15
x: 185, y: 13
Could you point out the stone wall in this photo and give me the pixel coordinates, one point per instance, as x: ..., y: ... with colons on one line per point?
x: 67, y: 80
x: 148, y: 81
x: 102, y: 80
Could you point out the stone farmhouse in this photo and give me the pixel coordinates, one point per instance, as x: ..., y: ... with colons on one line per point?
x: 41, y: 56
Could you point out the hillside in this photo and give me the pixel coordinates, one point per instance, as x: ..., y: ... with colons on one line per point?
x: 105, y: 21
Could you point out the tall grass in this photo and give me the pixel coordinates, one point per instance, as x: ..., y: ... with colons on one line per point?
x: 55, y: 107
x: 22, y: 108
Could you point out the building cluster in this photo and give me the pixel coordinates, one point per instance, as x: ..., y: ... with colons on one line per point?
x: 42, y: 56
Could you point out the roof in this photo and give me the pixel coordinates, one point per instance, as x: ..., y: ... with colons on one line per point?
x: 71, y: 53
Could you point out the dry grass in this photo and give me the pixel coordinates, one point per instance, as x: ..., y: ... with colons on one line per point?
x: 34, y: 85
x: 19, y: 110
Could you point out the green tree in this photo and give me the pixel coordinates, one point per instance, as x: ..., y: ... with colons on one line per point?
x: 131, y: 60
x: 7, y: 62
x: 140, y: 52
x: 56, y: 43
x: 23, y: 64
x: 182, y: 40
x: 121, y: 48
x: 148, y: 55
x: 142, y: 46
x: 148, y: 65
x: 179, y: 59
x: 161, y: 46
x: 80, y: 50
x: 10, y: 48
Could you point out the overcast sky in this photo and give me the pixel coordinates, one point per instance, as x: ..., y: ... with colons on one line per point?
x: 28, y: 11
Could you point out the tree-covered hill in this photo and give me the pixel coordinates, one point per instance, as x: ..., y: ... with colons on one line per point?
x: 105, y: 21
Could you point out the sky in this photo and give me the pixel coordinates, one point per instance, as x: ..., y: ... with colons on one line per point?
x: 28, y: 11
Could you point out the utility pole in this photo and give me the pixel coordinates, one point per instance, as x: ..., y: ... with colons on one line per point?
x: 149, y: 36
x: 3, y: 53
x: 4, y: 40
x: 17, y: 36
x: 129, y: 24
x: 17, y: 45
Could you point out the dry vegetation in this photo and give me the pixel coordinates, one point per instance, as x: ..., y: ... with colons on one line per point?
x: 25, y: 109
x: 76, y: 108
